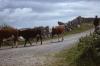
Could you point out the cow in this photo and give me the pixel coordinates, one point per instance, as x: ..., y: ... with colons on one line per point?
x: 7, y: 33
x: 67, y: 27
x: 45, y: 32
x: 58, y: 30
x: 31, y: 33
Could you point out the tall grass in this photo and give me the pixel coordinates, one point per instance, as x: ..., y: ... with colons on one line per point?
x: 83, y: 53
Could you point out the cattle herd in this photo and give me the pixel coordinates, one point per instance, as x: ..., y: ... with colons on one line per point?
x: 37, y: 33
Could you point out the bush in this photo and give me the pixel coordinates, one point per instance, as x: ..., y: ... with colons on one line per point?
x: 83, y: 53
x: 86, y: 51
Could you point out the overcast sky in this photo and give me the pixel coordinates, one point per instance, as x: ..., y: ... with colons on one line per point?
x: 30, y: 13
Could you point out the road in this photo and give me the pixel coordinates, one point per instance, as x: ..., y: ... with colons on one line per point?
x: 37, y: 55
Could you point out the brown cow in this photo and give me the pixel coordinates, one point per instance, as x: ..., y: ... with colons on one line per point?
x: 58, y: 30
x: 7, y: 33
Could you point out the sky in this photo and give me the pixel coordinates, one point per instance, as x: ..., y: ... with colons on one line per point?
x: 31, y: 13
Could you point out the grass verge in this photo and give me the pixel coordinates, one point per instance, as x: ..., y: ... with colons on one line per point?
x: 83, y: 53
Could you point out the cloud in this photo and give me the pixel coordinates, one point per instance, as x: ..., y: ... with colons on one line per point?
x: 30, y: 13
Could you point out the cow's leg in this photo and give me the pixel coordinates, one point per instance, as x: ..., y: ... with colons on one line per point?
x: 37, y: 39
x: 1, y: 41
x: 41, y: 39
x: 13, y: 44
x: 15, y: 41
x: 30, y: 42
x: 16, y: 44
x: 51, y: 36
x: 47, y: 35
x: 25, y: 42
x: 62, y: 37
x: 58, y: 37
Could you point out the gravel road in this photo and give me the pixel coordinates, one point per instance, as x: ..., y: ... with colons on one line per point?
x: 37, y: 55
